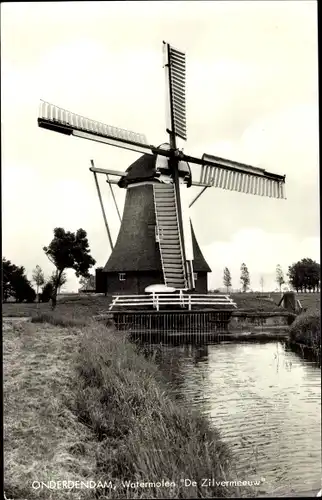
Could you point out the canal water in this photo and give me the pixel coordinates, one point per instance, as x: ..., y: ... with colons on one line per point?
x: 266, y: 402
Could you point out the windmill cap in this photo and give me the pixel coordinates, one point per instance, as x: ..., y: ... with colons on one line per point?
x: 145, y: 169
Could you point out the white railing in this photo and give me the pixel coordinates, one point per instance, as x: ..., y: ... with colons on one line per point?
x: 182, y: 300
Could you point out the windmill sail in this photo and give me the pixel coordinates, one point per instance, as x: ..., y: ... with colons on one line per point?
x: 234, y: 176
x: 60, y: 120
x: 176, y: 65
x: 169, y: 238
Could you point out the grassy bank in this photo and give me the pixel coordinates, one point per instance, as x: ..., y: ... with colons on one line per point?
x: 73, y: 305
x: 41, y: 433
x: 306, y: 331
x: 81, y: 404
x: 254, y: 302
x: 77, y: 305
x: 250, y: 302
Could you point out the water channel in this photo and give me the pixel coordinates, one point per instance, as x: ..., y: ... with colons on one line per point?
x: 266, y: 402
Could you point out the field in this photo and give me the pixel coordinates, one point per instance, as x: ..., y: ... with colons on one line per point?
x: 310, y: 301
x: 73, y: 305
x: 81, y: 404
x: 76, y: 305
x: 269, y: 301
x: 254, y: 302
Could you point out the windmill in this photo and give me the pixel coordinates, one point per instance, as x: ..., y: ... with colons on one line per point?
x: 156, y: 242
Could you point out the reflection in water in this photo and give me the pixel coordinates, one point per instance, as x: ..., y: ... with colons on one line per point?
x: 266, y: 402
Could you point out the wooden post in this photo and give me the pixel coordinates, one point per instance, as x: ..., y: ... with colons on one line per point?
x: 102, y: 207
x: 113, y: 195
x: 198, y: 195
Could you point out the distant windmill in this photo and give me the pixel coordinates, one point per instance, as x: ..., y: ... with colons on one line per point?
x: 156, y: 242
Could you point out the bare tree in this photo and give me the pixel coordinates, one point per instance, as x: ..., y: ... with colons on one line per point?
x: 261, y: 281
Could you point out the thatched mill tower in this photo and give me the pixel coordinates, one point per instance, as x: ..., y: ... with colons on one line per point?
x: 148, y: 246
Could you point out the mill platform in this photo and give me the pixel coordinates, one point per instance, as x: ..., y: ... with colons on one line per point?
x: 178, y: 316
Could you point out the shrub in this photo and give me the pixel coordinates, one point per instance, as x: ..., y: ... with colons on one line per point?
x: 47, y: 292
x: 23, y: 291
x: 16, y: 283
x: 306, y: 329
x: 30, y: 294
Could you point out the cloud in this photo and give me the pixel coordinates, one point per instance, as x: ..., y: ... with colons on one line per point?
x: 284, y: 142
x: 261, y: 251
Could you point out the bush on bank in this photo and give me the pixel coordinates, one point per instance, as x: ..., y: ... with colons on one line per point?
x: 306, y: 330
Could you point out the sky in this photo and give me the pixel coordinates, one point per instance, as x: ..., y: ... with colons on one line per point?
x: 252, y: 96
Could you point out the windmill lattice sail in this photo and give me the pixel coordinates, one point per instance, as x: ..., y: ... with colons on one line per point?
x: 169, y: 235
x: 66, y: 122
x: 177, y: 81
x: 240, y: 177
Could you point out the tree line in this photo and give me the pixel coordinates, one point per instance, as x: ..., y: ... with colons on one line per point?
x: 302, y: 276
x: 67, y: 250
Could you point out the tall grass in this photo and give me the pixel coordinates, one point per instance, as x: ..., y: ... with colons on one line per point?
x: 82, y: 404
x: 57, y: 319
x: 143, y: 434
x: 43, y: 438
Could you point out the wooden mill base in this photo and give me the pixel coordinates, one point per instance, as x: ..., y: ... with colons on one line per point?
x: 187, y: 325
